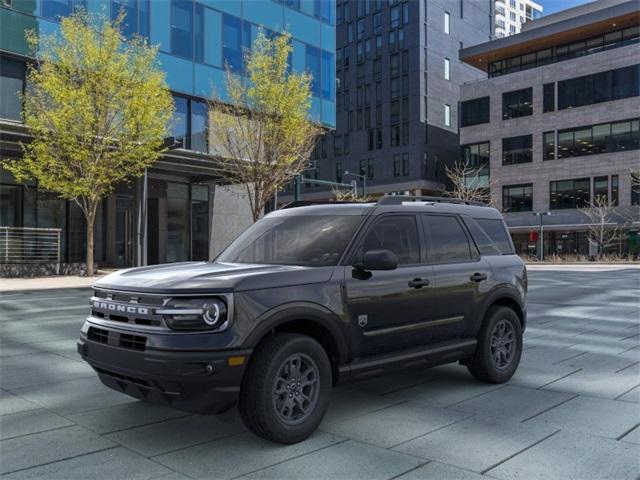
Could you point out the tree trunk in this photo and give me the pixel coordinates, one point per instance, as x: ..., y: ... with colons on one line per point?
x: 90, y: 224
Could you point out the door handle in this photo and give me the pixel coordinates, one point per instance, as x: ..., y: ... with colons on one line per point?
x: 418, y: 283
x: 478, y: 277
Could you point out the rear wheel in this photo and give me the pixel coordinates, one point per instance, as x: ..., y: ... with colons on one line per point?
x: 499, y: 346
x: 285, y: 391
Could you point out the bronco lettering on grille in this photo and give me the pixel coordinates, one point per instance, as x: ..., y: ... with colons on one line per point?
x: 117, y: 307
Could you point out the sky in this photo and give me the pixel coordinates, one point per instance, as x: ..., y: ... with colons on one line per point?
x: 553, y: 6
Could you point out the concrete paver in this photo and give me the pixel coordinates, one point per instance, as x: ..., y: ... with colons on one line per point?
x: 571, y: 410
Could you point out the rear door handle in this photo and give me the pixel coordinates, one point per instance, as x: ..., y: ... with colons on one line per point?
x: 478, y: 277
x: 418, y: 283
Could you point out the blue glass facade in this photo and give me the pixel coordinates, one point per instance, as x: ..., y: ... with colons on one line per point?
x: 198, y: 38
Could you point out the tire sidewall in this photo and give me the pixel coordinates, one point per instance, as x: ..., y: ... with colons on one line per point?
x: 497, y: 314
x: 295, y: 433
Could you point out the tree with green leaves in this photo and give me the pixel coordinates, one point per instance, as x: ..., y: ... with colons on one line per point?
x: 98, y: 109
x: 262, y: 130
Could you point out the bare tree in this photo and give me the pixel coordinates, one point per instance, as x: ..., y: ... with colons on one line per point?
x: 342, y: 195
x: 606, y: 222
x: 262, y: 129
x: 468, y: 183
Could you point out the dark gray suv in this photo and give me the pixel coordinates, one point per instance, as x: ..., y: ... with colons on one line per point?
x: 308, y: 297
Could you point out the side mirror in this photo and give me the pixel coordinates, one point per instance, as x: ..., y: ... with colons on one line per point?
x: 378, y: 260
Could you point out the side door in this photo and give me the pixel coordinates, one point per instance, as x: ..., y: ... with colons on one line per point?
x: 388, y: 309
x: 461, y: 275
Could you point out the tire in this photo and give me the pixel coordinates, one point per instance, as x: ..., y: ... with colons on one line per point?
x: 275, y: 407
x: 497, y: 364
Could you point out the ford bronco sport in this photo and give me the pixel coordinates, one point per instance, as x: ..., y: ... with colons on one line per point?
x: 308, y: 297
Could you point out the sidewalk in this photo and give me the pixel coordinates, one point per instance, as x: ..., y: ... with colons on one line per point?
x: 584, y: 267
x: 47, y: 283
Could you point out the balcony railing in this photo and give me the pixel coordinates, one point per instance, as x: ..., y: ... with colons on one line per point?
x: 29, y: 245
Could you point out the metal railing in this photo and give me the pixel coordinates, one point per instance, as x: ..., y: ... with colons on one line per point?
x: 29, y: 245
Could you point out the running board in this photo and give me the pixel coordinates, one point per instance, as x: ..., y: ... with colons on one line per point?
x: 432, y: 355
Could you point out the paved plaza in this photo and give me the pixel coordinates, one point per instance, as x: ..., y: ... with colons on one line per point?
x: 572, y: 411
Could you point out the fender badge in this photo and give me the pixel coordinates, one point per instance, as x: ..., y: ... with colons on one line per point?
x: 363, y: 320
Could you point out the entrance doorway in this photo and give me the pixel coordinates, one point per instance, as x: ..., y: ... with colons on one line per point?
x: 125, y: 231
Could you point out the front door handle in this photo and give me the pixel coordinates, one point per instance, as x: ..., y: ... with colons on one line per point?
x: 418, y: 283
x: 478, y: 277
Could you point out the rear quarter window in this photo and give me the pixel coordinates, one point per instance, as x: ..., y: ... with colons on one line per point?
x: 497, y: 232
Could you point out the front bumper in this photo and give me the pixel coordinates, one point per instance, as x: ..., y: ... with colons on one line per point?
x: 193, y: 381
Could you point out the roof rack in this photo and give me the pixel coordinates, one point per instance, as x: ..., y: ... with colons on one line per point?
x: 400, y: 199
x: 307, y: 203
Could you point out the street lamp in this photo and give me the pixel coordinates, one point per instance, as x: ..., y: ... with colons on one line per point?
x: 541, y: 215
x: 364, y: 181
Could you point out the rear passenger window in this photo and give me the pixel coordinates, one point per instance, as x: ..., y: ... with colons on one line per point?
x: 497, y: 232
x: 398, y: 234
x: 447, y: 240
x: 484, y: 243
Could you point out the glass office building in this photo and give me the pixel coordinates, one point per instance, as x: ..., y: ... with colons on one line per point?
x: 197, y: 40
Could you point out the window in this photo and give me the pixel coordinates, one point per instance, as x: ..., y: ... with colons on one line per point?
x: 199, y: 126
x: 476, y: 156
x: 181, y: 28
x: 377, y: 70
x: 549, y: 97
x: 396, y: 165
x: 312, y: 58
x: 601, y: 187
x: 497, y: 232
x: 405, y: 133
x: 615, y: 190
x: 180, y: 121
x: 12, y: 78
x: 474, y: 112
x: 570, y: 193
x: 600, y: 87
x: 377, y: 23
x: 635, y: 190
x: 517, y: 103
x: 394, y: 17
x: 327, y: 85
x: 370, y: 139
x: 447, y: 22
x: 395, y: 88
x: 516, y: 150
x: 378, y: 51
x: 54, y: 9
x: 394, y: 112
x: 447, y: 240
x: 405, y: 164
x: 396, y: 233
x: 339, y: 172
x: 447, y: 69
x: 549, y: 145
x: 136, y: 20
x: 337, y: 145
x: 378, y: 139
x: 447, y: 115
x: 394, y: 65
x: 395, y: 135
x: 517, y: 198
x: 345, y: 143
x: 599, y: 43
x: 231, y: 42
x: 602, y: 138
x: 360, y: 29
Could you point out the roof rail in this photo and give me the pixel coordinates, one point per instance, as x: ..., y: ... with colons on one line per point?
x: 307, y: 203
x: 399, y: 199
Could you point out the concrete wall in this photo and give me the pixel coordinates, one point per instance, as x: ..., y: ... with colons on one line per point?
x: 540, y: 172
x: 230, y: 216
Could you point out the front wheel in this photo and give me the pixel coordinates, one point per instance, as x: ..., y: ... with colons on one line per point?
x: 499, y: 346
x: 285, y: 392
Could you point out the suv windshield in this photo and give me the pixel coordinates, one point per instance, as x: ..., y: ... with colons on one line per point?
x: 313, y: 241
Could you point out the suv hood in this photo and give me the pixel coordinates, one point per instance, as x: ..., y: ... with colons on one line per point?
x: 205, y: 277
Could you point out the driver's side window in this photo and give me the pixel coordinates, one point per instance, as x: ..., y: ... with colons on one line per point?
x: 396, y: 233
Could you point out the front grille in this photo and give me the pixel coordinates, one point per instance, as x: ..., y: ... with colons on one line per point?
x: 122, y: 340
x: 128, y: 308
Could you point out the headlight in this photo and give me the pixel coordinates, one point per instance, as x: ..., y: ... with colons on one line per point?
x: 195, y: 314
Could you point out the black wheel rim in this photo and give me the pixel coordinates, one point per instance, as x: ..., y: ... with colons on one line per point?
x: 296, y: 389
x: 503, y: 344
